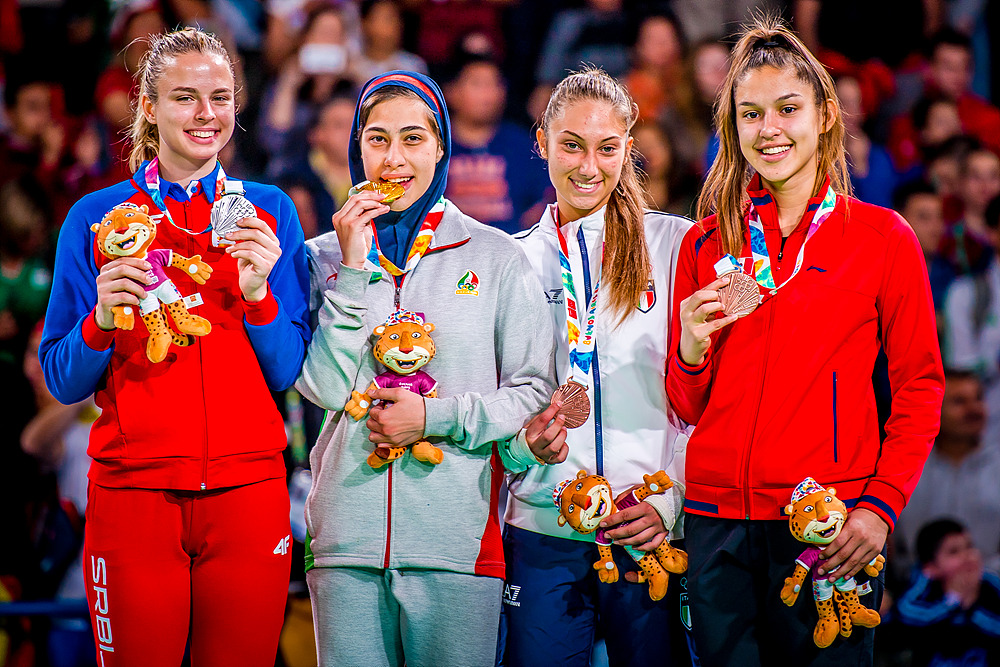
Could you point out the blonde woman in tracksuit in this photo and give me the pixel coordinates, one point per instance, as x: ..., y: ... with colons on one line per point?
x: 553, y: 602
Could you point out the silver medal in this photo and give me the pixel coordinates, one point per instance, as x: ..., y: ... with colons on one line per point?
x: 226, y: 212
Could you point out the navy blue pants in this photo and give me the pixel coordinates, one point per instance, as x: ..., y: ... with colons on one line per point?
x: 735, y: 573
x: 554, y: 606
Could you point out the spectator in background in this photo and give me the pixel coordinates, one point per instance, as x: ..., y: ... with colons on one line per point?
x: 448, y: 27
x: 35, y: 141
x: 324, y: 171
x: 948, y: 75
x: 659, y: 174
x: 960, y: 476
x: 968, y: 245
x: 871, y: 170
x: 599, y: 33
x: 922, y: 207
x: 657, y: 65
x: 116, y: 93
x: 689, y: 121
x: 494, y: 175
x: 382, y: 40
x: 952, y: 611
x: 25, y: 280
x: 932, y: 122
x: 319, y: 68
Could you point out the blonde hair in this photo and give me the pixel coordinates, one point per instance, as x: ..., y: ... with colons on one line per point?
x: 767, y: 42
x: 162, y: 48
x: 627, y: 266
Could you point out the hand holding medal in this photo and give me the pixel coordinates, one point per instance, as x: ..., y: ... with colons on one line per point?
x: 740, y: 295
x: 366, y: 201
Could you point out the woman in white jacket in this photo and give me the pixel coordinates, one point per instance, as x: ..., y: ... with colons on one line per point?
x: 607, y: 266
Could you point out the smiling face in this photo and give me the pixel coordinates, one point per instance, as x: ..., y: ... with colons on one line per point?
x: 817, y: 518
x: 404, y: 347
x: 586, y: 147
x: 399, y: 144
x: 125, y: 232
x: 194, y: 112
x: 585, y: 502
x: 779, y: 124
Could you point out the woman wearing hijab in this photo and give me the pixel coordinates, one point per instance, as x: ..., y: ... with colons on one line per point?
x: 405, y: 559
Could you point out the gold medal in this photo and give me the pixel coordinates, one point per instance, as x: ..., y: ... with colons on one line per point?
x: 392, y: 191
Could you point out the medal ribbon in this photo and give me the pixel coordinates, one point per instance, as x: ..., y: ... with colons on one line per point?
x: 152, y: 178
x: 419, y: 247
x: 581, y: 348
x: 758, y: 246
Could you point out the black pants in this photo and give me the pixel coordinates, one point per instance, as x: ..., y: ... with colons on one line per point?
x: 735, y: 574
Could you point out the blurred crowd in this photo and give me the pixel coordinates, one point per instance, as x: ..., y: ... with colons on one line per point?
x: 919, y: 81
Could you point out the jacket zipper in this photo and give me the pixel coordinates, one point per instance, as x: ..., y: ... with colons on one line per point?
x: 397, y: 297
x: 756, y: 414
x: 204, y: 455
x: 596, y: 372
x: 835, y: 416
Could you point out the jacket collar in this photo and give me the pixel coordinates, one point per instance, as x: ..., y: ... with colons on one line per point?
x: 768, y: 209
x: 453, y: 229
x: 206, y: 187
x: 592, y: 223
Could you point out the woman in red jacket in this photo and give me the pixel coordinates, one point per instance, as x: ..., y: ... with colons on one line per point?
x: 785, y: 391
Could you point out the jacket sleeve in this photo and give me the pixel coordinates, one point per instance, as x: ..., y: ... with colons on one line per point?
x: 688, y: 387
x: 278, y: 326
x: 74, y: 352
x: 339, y: 340
x: 916, y: 378
x: 918, y: 607
x: 525, y: 362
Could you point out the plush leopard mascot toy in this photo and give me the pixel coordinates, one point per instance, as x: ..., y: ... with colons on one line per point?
x: 127, y: 230
x: 816, y: 516
x: 404, y: 346
x: 587, y: 499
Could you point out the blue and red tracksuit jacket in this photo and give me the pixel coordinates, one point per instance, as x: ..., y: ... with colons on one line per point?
x: 786, y: 392
x: 203, y: 418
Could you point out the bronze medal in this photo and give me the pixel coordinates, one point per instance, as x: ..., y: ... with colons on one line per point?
x: 741, y: 296
x: 575, y: 404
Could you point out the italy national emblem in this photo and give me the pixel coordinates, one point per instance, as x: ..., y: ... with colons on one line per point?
x: 468, y: 283
x: 647, y: 298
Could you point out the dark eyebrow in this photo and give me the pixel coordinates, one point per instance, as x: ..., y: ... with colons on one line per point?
x: 613, y: 136
x: 783, y: 98
x: 404, y: 130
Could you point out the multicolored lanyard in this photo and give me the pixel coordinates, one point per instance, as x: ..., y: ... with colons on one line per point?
x: 758, y: 246
x: 417, y: 250
x: 222, y: 186
x: 581, y: 348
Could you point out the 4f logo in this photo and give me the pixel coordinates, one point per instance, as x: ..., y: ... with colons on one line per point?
x: 554, y: 295
x: 510, y: 594
x: 283, y: 545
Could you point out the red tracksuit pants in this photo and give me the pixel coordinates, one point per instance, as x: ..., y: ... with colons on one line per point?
x: 160, y: 565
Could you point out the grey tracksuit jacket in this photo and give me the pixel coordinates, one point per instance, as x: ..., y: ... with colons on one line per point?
x: 494, y: 368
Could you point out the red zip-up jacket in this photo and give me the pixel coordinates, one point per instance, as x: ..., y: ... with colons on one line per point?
x: 786, y: 392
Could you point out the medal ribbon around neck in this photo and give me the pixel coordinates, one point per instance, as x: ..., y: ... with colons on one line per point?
x: 758, y: 246
x: 419, y: 247
x: 152, y: 178
x: 581, y: 348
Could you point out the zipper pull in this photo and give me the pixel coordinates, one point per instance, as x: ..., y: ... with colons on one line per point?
x: 396, y: 299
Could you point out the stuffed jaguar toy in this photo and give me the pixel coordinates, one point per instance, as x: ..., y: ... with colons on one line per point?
x: 586, y: 500
x: 404, y: 346
x: 128, y: 230
x: 815, y: 517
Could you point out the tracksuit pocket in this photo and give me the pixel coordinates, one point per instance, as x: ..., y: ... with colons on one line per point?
x: 835, y: 416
